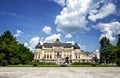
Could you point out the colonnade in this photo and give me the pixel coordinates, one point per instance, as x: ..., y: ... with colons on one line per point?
x: 46, y: 54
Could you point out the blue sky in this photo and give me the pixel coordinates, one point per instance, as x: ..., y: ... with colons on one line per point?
x: 81, y: 21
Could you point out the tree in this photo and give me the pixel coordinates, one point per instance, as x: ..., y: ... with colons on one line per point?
x: 95, y: 59
x: 118, y: 51
x: 5, y: 45
x: 111, y: 50
x: 104, y: 44
x: 13, y: 52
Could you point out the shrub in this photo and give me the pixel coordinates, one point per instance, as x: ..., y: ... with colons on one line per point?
x: 46, y: 63
x: 35, y: 64
x: 118, y: 61
x: 3, y: 64
x: 84, y: 63
x: 93, y: 64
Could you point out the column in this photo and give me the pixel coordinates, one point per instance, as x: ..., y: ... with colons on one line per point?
x: 37, y: 55
x: 52, y: 54
x: 49, y: 54
x: 46, y: 55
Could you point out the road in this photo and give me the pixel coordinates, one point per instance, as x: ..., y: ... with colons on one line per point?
x: 59, y: 72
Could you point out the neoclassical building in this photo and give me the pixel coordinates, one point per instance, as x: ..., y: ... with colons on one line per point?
x: 58, y: 52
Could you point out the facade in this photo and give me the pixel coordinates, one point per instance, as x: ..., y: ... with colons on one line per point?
x: 58, y: 52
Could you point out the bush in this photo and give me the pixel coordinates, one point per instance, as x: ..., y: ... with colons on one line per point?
x: 35, y: 64
x: 93, y: 64
x: 46, y: 63
x: 118, y: 61
x: 3, y: 64
x: 78, y: 63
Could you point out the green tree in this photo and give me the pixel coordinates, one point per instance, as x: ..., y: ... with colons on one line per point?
x: 104, y: 44
x: 6, y: 43
x: 13, y: 52
x: 111, y: 50
x: 118, y: 51
x: 25, y: 55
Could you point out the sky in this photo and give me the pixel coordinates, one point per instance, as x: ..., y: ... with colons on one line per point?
x: 81, y: 21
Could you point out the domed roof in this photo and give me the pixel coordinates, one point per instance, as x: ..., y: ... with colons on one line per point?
x: 38, y: 46
x: 76, y: 46
x: 57, y: 42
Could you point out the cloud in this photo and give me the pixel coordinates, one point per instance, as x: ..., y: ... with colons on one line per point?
x: 103, y: 12
x: 47, y: 30
x: 110, y: 30
x: 19, y: 32
x: 61, y: 2
x: 96, y: 50
x: 72, y: 18
x: 75, y: 14
x: 72, y: 42
x: 52, y: 38
x: 68, y: 36
x: 26, y: 44
x: 15, y: 15
x: 35, y: 40
x: 32, y: 43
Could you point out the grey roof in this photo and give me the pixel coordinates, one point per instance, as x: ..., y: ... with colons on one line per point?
x: 50, y: 45
x: 57, y: 43
x: 76, y: 46
x: 39, y: 46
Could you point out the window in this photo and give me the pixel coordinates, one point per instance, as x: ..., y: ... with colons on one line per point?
x: 50, y: 56
x: 70, y: 56
x: 76, y: 56
x: 44, y: 56
x: 47, y: 56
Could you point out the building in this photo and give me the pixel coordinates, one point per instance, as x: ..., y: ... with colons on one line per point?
x: 58, y: 52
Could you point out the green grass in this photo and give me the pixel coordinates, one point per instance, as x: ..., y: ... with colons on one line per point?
x: 98, y: 65
x: 54, y: 65
x: 31, y: 66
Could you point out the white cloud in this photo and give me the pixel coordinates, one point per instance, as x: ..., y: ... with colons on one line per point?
x: 61, y: 2
x: 110, y: 30
x: 14, y: 15
x: 26, y: 44
x: 47, y: 30
x: 72, y: 42
x: 52, y: 38
x: 35, y: 40
x: 103, y: 12
x: 96, y: 50
x: 68, y: 36
x: 73, y: 16
x: 32, y: 43
x: 19, y: 32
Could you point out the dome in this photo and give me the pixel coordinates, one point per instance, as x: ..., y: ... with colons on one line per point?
x: 38, y: 46
x: 76, y: 46
x: 57, y: 42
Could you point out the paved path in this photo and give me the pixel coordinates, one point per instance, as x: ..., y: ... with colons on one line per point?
x: 60, y: 72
